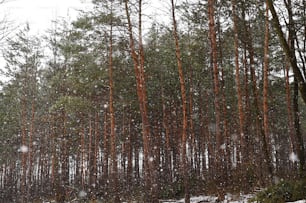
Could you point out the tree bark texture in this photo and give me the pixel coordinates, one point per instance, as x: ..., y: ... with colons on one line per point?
x: 184, y: 106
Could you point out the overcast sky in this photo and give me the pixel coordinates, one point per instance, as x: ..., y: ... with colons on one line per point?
x: 40, y: 13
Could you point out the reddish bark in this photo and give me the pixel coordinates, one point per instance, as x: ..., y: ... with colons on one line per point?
x: 184, y: 107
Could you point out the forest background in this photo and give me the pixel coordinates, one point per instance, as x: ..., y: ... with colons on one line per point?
x: 211, y: 102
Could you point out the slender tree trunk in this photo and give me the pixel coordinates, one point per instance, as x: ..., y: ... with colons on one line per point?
x: 244, y: 140
x: 213, y: 41
x: 92, y: 156
x: 184, y: 107
x: 289, y: 51
x: 24, y: 148
x: 96, y: 162
x: 288, y: 92
x: 299, y: 136
x: 114, y: 172
x: 289, y: 110
x: 297, y: 127
x: 82, y: 155
x: 226, y: 139
x: 192, y: 143
x: 167, y: 150
x: 258, y: 108
x: 31, y: 150
x: 193, y: 158
x: 105, y: 176
x: 138, y: 60
x: 238, y: 84
x: 129, y: 151
x: 265, y: 90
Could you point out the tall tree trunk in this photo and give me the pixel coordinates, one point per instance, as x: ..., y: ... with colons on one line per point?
x: 95, y: 171
x: 167, y: 148
x: 289, y: 51
x: 213, y: 42
x: 238, y: 84
x: 64, y: 153
x: 289, y: 110
x: 297, y: 127
x: 138, y: 60
x: 129, y: 150
x: 31, y: 150
x: 105, y: 176
x: 258, y: 108
x: 225, y: 130
x: 23, y: 149
x: 114, y: 172
x: 82, y: 154
x: 265, y: 91
x: 184, y: 107
x: 299, y: 137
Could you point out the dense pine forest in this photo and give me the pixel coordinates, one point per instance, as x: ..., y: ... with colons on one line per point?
x: 117, y: 106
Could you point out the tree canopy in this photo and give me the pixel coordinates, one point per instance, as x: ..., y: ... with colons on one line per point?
x: 114, y: 108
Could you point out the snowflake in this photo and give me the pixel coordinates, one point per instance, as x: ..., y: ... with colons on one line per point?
x: 293, y: 157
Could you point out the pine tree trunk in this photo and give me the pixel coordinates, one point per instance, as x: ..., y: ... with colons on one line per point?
x: 238, y: 84
x: 23, y: 149
x: 167, y: 150
x: 225, y: 152
x: 185, y: 166
x: 30, y: 148
x: 299, y: 137
x: 289, y: 51
x: 138, y: 60
x: 130, y: 153
x: 289, y: 110
x: 114, y: 172
x: 65, y: 153
x: 105, y: 176
x: 265, y: 93
x: 214, y: 57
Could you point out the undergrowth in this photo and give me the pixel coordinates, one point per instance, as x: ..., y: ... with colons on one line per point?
x: 285, y: 191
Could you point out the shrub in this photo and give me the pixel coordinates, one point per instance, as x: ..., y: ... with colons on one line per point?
x: 285, y: 191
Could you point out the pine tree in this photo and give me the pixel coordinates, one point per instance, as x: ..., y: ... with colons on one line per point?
x: 185, y: 164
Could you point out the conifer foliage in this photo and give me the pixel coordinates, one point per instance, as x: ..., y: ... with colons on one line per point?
x: 117, y: 106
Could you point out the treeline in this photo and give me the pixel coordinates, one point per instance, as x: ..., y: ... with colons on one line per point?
x: 103, y: 109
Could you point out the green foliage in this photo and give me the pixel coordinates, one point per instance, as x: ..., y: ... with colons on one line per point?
x: 285, y: 191
x: 72, y: 105
x: 174, y: 190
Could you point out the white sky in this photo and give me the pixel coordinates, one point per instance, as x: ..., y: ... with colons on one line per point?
x: 40, y: 13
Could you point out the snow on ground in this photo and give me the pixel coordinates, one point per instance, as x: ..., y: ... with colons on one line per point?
x: 211, y: 199
x: 228, y: 199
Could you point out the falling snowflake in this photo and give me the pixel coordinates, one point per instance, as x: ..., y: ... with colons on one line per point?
x: 23, y: 149
x: 223, y: 146
x: 82, y: 194
x: 293, y: 157
x: 151, y: 159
